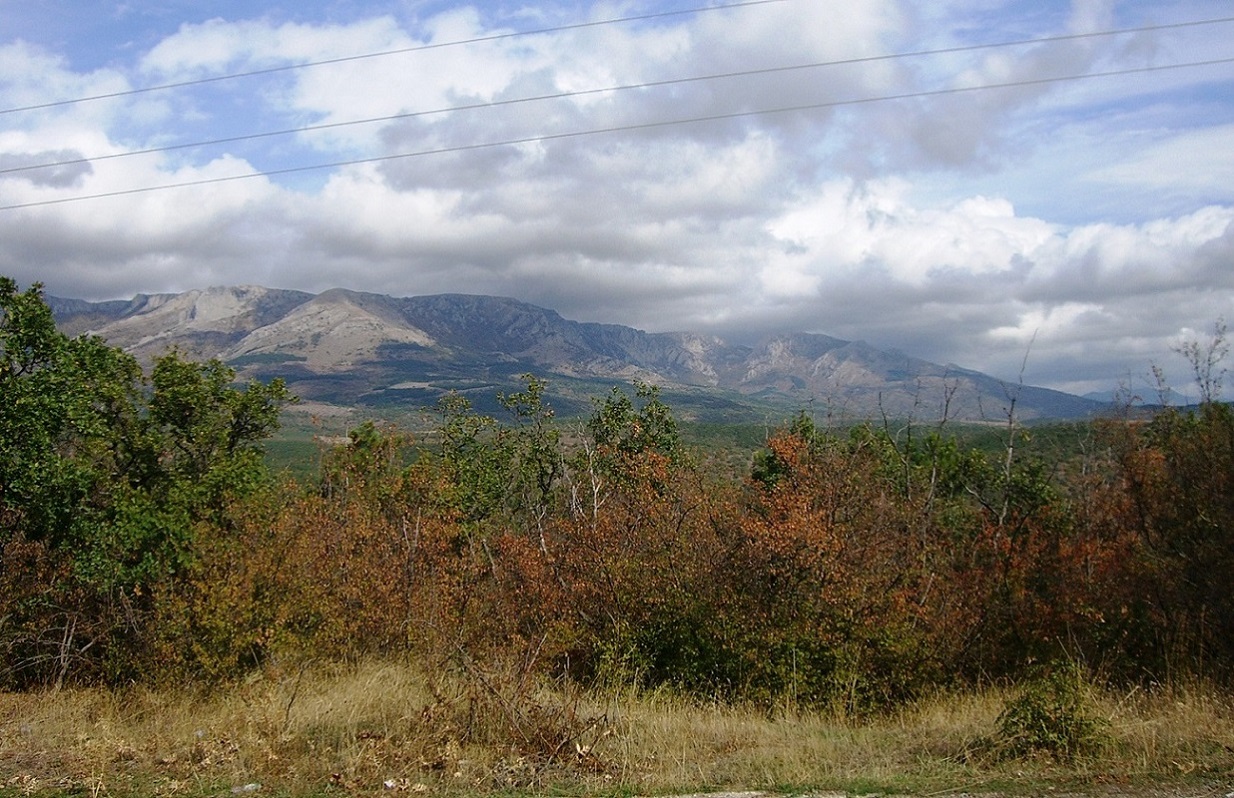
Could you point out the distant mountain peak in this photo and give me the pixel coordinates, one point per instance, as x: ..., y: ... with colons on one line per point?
x: 329, y: 332
x: 349, y: 347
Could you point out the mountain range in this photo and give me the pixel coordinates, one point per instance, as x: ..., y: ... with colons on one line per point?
x: 360, y: 349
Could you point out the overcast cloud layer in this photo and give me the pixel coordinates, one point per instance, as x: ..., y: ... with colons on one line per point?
x: 1087, y: 224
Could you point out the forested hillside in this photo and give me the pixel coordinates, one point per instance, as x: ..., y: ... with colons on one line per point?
x: 145, y: 541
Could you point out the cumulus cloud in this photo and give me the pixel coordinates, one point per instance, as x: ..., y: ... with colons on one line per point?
x: 1061, y: 221
x: 55, y: 168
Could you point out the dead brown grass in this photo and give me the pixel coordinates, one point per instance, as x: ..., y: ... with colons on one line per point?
x: 385, y: 727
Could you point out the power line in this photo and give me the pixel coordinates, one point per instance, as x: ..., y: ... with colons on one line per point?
x: 609, y: 89
x: 383, y: 53
x: 618, y: 129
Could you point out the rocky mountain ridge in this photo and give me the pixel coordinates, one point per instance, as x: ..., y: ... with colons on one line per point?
x: 347, y: 347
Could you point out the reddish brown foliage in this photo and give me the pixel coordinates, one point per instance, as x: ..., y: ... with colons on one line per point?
x: 850, y: 569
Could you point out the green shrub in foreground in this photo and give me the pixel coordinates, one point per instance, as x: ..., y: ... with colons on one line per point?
x: 1051, y: 716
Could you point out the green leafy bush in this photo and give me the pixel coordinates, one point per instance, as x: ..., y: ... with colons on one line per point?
x: 109, y: 480
x: 1051, y: 716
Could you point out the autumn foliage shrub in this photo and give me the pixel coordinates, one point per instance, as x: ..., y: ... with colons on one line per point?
x: 1174, y: 496
x: 850, y: 568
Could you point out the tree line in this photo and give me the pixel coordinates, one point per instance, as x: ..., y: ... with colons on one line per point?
x: 143, y: 539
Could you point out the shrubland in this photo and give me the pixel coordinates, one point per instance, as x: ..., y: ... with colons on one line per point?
x: 512, y: 597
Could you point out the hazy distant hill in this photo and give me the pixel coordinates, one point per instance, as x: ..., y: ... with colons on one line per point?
x: 347, y: 347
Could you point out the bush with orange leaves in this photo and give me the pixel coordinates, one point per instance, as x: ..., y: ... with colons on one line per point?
x: 851, y: 569
x: 837, y: 575
x: 1174, y: 499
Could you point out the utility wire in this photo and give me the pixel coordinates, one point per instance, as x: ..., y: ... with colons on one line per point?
x: 383, y: 53
x: 619, y: 129
x: 608, y: 89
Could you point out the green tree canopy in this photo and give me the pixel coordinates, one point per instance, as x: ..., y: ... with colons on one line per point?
x: 105, y: 477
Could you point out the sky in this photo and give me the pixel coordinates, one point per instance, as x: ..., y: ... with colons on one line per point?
x: 961, y: 180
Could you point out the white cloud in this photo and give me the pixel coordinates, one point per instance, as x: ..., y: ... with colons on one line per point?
x: 848, y: 226
x: 1186, y: 162
x: 1095, y: 217
x: 31, y: 76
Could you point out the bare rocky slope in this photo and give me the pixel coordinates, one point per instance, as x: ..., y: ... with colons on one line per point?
x: 347, y: 347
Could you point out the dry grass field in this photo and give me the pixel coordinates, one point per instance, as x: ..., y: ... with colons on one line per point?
x: 387, y: 728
